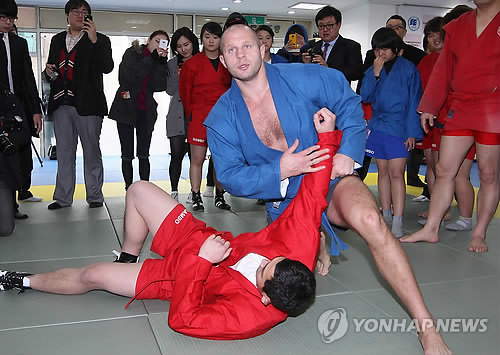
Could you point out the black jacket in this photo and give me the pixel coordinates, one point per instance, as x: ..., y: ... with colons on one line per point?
x: 91, y: 62
x: 22, y: 76
x: 133, y: 70
x: 345, y: 56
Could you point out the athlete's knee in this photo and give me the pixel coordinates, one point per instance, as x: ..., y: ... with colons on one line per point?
x: 92, y: 276
x: 444, y: 172
x: 488, y: 175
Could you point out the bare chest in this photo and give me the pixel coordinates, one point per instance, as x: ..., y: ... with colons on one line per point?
x: 267, y: 125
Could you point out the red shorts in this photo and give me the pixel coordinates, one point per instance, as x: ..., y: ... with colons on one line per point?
x: 179, y: 233
x: 426, y: 143
x: 197, y: 132
x: 480, y: 137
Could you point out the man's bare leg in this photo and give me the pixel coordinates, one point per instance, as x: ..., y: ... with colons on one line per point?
x: 354, y: 206
x: 146, y: 207
x: 451, y: 155
x: 488, y: 160
x: 324, y: 260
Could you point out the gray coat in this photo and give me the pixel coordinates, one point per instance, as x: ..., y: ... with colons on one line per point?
x: 176, y: 121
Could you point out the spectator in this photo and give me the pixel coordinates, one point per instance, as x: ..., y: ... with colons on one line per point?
x: 78, y: 57
x: 143, y: 71
x: 16, y: 76
x: 202, y: 81
x: 394, y: 125
x: 291, y: 50
x: 266, y: 38
x: 338, y: 52
x: 414, y: 55
x: 184, y: 45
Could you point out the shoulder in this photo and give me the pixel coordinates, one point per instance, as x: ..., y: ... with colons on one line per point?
x: 406, y: 64
x: 458, y: 23
x: 350, y: 42
x: 172, y: 63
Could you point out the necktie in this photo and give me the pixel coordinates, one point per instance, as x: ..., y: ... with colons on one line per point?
x: 5, y: 60
x: 325, y: 50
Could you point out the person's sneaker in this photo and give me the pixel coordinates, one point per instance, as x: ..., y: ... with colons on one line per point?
x: 95, y: 204
x: 27, y: 196
x: 197, y: 201
x: 190, y: 198
x: 125, y: 258
x: 175, y: 195
x: 421, y: 198
x: 461, y: 224
x: 209, y: 191
x: 423, y: 221
x: 32, y: 199
x: 220, y: 202
x: 12, y: 279
x: 55, y: 206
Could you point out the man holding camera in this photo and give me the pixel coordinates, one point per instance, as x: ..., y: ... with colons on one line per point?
x: 335, y: 51
x: 16, y: 77
x: 78, y: 57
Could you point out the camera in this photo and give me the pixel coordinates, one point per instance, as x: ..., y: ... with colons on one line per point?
x: 312, y: 51
x: 163, y: 44
x: 54, y: 76
x: 7, y: 125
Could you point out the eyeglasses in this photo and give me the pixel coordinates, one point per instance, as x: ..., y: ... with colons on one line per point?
x: 8, y: 18
x: 327, y: 26
x: 79, y: 13
x: 395, y: 27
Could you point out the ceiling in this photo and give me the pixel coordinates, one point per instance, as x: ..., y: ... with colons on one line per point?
x: 275, y: 8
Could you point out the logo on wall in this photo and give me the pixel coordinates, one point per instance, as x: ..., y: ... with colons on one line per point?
x: 413, y: 23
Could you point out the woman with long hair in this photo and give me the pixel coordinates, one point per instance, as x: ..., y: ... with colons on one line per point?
x: 184, y: 45
x: 143, y: 71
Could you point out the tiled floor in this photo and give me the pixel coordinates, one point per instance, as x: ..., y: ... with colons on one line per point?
x: 456, y: 284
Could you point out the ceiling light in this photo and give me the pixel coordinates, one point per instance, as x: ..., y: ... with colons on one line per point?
x: 224, y: 8
x: 237, y: 1
x: 291, y: 12
x: 207, y: 19
x: 307, y: 6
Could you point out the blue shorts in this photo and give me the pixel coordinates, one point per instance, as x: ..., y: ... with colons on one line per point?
x: 383, y: 146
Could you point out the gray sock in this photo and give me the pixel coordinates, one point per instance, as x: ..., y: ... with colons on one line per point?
x: 387, y: 216
x: 397, y: 226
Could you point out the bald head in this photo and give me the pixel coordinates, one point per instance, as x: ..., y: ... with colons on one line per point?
x: 237, y: 31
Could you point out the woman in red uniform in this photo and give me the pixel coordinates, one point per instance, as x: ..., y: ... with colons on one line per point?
x: 202, y: 81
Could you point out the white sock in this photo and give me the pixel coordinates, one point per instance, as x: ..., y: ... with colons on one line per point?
x: 26, y: 282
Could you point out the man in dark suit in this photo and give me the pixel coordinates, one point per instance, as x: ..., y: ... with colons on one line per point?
x: 338, y: 52
x: 16, y: 75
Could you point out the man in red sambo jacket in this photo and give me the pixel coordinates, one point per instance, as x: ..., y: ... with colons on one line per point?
x: 219, y: 287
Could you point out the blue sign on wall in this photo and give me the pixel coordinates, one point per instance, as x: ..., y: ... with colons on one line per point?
x: 30, y: 37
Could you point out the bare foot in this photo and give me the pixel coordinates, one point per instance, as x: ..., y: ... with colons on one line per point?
x: 432, y: 342
x: 324, y: 261
x: 424, y: 214
x: 478, y: 245
x: 323, y: 265
x: 421, y: 236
